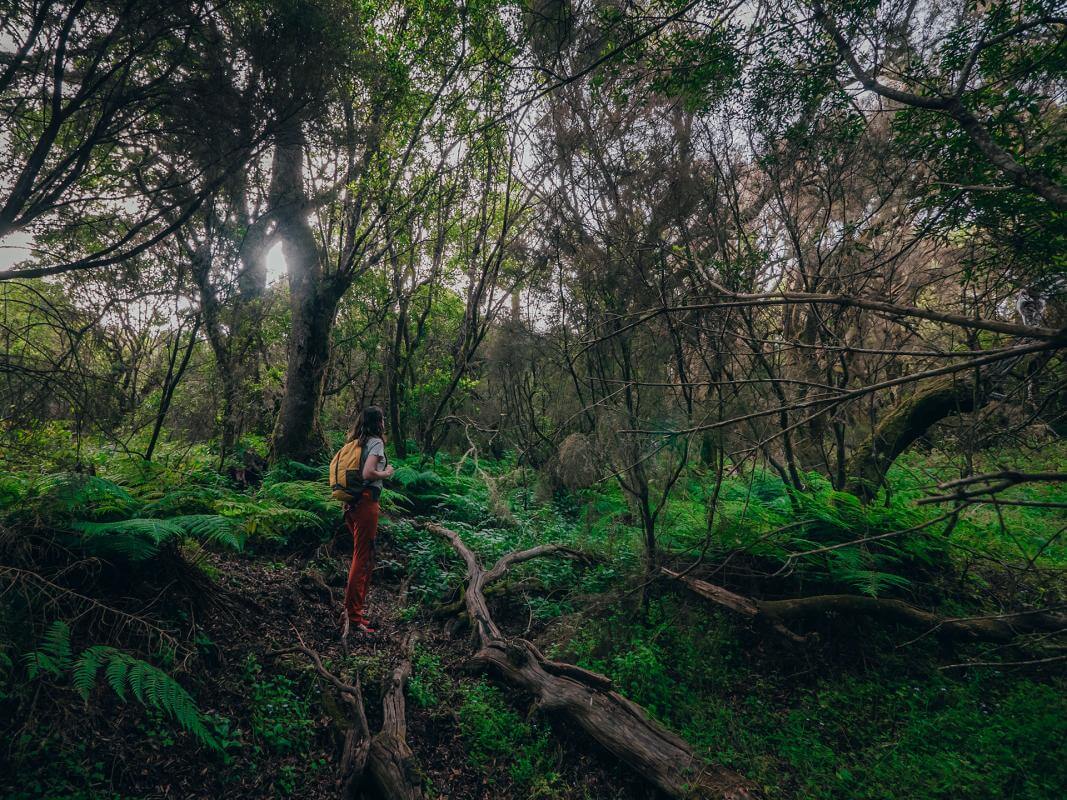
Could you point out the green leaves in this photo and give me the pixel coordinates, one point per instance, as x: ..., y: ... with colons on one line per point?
x: 124, y: 673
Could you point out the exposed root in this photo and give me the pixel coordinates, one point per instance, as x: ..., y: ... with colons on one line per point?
x: 586, y: 699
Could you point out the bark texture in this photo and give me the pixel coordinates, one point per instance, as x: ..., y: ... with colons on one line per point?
x: 392, y: 766
x: 586, y: 699
x: 312, y: 305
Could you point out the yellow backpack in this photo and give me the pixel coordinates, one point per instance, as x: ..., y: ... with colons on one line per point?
x: 346, y: 472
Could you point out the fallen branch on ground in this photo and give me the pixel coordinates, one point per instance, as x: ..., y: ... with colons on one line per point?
x: 586, y: 699
x: 385, y: 758
x: 392, y: 765
x: 346, y: 709
x: 778, y: 614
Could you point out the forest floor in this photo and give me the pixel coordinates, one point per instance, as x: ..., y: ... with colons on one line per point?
x: 862, y: 710
x: 273, y: 605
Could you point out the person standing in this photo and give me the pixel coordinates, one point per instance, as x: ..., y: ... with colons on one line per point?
x: 361, y: 518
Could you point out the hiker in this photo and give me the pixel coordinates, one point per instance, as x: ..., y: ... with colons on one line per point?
x: 356, y: 475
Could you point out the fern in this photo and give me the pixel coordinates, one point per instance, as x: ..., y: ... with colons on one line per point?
x: 288, y: 471
x: 311, y: 496
x: 140, y: 539
x: 67, y: 496
x: 149, y: 684
x: 194, y: 500
x: 133, y: 539
x: 53, y: 655
x: 212, y: 529
x: 12, y: 491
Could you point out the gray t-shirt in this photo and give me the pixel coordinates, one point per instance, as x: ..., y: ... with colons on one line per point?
x: 374, y: 447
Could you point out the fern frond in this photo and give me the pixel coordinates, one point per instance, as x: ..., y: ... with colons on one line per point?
x: 149, y: 684
x: 116, y: 676
x: 211, y: 529
x: 53, y: 655
x: 66, y: 496
x: 186, y: 501
x: 88, y: 664
x: 311, y: 496
x: 134, y: 539
x: 13, y: 489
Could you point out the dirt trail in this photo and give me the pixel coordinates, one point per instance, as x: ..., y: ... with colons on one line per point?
x: 298, y: 598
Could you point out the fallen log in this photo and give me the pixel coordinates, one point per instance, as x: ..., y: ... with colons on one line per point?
x: 586, y: 699
x: 382, y: 764
x: 779, y: 614
x: 392, y: 765
x: 345, y: 707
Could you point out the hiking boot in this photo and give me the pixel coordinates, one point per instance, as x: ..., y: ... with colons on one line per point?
x: 364, y: 626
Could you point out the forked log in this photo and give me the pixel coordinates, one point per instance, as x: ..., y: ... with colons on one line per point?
x: 778, y: 614
x: 392, y: 765
x: 586, y: 699
x: 385, y: 758
x: 345, y: 707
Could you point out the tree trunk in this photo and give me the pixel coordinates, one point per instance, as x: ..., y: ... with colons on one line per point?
x: 905, y: 422
x: 170, y: 383
x: 586, y: 699
x: 312, y: 305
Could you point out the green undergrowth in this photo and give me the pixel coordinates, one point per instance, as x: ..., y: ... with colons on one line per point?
x: 857, y: 717
x: 855, y: 714
x: 868, y: 710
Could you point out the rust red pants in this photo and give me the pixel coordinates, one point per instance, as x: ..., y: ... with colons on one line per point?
x: 362, y: 523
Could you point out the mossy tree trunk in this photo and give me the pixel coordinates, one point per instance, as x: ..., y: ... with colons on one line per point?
x: 905, y: 422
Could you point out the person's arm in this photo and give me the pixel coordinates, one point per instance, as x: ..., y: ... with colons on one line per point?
x: 371, y: 471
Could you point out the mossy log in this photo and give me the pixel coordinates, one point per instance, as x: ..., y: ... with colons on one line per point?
x: 586, y: 699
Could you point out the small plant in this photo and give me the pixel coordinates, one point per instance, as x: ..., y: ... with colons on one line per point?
x: 428, y: 682
x: 281, y: 715
x: 125, y: 674
x: 496, y: 736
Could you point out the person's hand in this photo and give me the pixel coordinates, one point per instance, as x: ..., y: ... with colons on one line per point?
x: 389, y: 470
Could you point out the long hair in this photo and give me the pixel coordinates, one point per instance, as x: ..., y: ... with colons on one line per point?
x: 371, y: 422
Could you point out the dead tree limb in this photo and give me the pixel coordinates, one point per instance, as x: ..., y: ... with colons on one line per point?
x: 779, y: 614
x: 345, y: 707
x: 977, y: 487
x: 586, y: 699
x: 392, y: 765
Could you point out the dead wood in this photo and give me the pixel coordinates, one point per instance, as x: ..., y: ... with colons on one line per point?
x: 392, y: 765
x: 385, y: 758
x: 345, y: 708
x: 778, y: 614
x: 585, y: 699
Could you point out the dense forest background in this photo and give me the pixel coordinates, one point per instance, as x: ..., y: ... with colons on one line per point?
x: 721, y: 351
